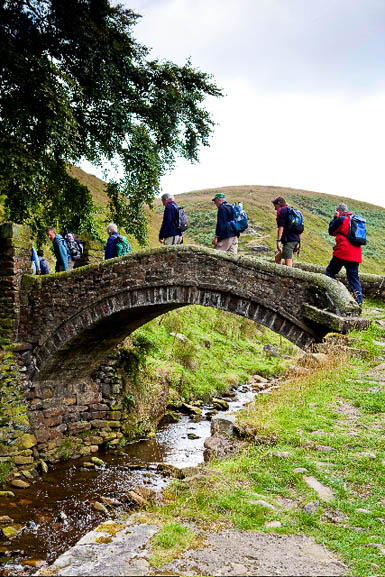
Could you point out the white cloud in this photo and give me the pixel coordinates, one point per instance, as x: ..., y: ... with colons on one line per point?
x: 305, y: 90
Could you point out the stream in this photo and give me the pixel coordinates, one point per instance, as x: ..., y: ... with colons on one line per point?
x: 57, y: 510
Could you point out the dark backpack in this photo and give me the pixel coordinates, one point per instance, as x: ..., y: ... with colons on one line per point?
x: 296, y: 224
x: 357, y: 230
x: 240, y: 220
x: 122, y: 246
x: 75, y: 246
x: 181, y: 223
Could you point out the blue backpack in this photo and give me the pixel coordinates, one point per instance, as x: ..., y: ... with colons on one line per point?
x: 357, y: 230
x: 240, y: 221
x: 296, y: 223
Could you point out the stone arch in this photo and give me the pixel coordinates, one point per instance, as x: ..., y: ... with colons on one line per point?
x: 83, y: 341
x: 76, y: 318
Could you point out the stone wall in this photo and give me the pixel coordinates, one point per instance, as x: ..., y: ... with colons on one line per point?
x: 44, y: 424
x: 15, y: 261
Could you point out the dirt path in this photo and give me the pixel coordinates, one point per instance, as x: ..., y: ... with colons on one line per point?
x: 226, y: 552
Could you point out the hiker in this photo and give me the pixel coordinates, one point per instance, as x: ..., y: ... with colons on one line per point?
x: 288, y: 236
x: 112, y: 231
x: 61, y: 250
x: 224, y: 238
x: 35, y: 265
x: 44, y: 268
x: 344, y: 252
x: 168, y: 233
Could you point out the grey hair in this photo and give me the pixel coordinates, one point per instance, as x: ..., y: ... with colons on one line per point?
x: 342, y: 207
x: 167, y: 196
x: 111, y: 228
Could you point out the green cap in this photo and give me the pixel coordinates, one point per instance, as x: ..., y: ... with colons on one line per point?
x: 218, y: 195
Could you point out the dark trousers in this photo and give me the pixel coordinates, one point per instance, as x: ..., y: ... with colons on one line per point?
x: 334, y: 267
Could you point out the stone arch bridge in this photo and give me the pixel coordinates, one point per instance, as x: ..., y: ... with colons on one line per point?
x: 62, y: 328
x: 73, y: 320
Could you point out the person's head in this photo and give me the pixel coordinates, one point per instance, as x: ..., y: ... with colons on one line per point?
x: 40, y: 252
x: 51, y: 232
x: 341, y: 208
x: 166, y: 197
x: 111, y: 228
x: 278, y: 202
x: 219, y: 199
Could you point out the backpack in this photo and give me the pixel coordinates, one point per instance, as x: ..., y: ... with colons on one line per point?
x: 122, y: 246
x: 44, y: 268
x: 296, y: 224
x: 181, y: 223
x: 357, y: 230
x: 75, y: 246
x: 240, y: 221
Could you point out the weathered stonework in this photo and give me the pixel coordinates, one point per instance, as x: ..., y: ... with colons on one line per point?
x: 63, y: 327
x: 373, y: 285
x: 15, y: 261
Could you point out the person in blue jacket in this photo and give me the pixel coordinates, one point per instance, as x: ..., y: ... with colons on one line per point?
x: 35, y: 264
x: 168, y: 233
x: 224, y: 238
x: 61, y: 250
x: 112, y: 231
x: 44, y: 267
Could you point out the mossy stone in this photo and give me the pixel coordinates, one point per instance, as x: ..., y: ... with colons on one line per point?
x: 27, y: 441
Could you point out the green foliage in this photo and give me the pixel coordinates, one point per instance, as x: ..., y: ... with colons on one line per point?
x: 170, y: 540
x: 220, y: 350
x: 201, y: 225
x: 128, y: 401
x: 329, y: 420
x: 5, y: 469
x: 75, y: 84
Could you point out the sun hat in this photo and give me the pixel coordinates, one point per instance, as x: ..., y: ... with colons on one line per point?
x: 218, y: 195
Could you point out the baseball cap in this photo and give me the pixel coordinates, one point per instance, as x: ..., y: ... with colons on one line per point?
x: 218, y: 195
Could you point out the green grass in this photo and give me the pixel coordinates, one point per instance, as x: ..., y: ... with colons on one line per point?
x: 220, y: 351
x: 331, y: 421
x: 171, y: 539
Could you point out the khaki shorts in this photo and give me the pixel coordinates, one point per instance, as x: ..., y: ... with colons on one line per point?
x: 288, y: 249
x: 228, y: 244
x: 173, y: 240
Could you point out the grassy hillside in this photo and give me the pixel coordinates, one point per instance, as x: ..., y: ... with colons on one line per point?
x: 260, y: 239
x: 318, y: 209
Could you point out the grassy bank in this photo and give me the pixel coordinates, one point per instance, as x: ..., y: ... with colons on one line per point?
x: 202, y: 351
x: 327, y: 419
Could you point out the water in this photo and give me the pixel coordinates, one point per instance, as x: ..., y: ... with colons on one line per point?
x: 58, y: 509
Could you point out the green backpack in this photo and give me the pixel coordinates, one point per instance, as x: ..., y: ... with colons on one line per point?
x: 122, y: 246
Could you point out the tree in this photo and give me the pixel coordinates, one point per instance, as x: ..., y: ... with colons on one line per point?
x: 75, y: 84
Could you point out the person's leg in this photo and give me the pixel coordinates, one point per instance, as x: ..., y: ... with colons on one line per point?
x: 287, y: 252
x: 228, y: 244
x: 334, y: 267
x: 354, y: 281
x: 170, y: 240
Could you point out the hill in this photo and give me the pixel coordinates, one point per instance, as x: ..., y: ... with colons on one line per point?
x: 318, y: 209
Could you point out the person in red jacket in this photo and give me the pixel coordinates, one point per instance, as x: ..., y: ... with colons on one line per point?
x: 344, y: 252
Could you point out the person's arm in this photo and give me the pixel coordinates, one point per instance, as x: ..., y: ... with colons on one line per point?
x: 335, y: 224
x: 63, y: 254
x: 222, y: 220
x: 166, y: 222
x: 35, y: 259
x: 279, y: 238
x: 110, y: 246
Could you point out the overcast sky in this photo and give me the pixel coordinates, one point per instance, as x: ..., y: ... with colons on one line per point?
x: 304, y: 86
